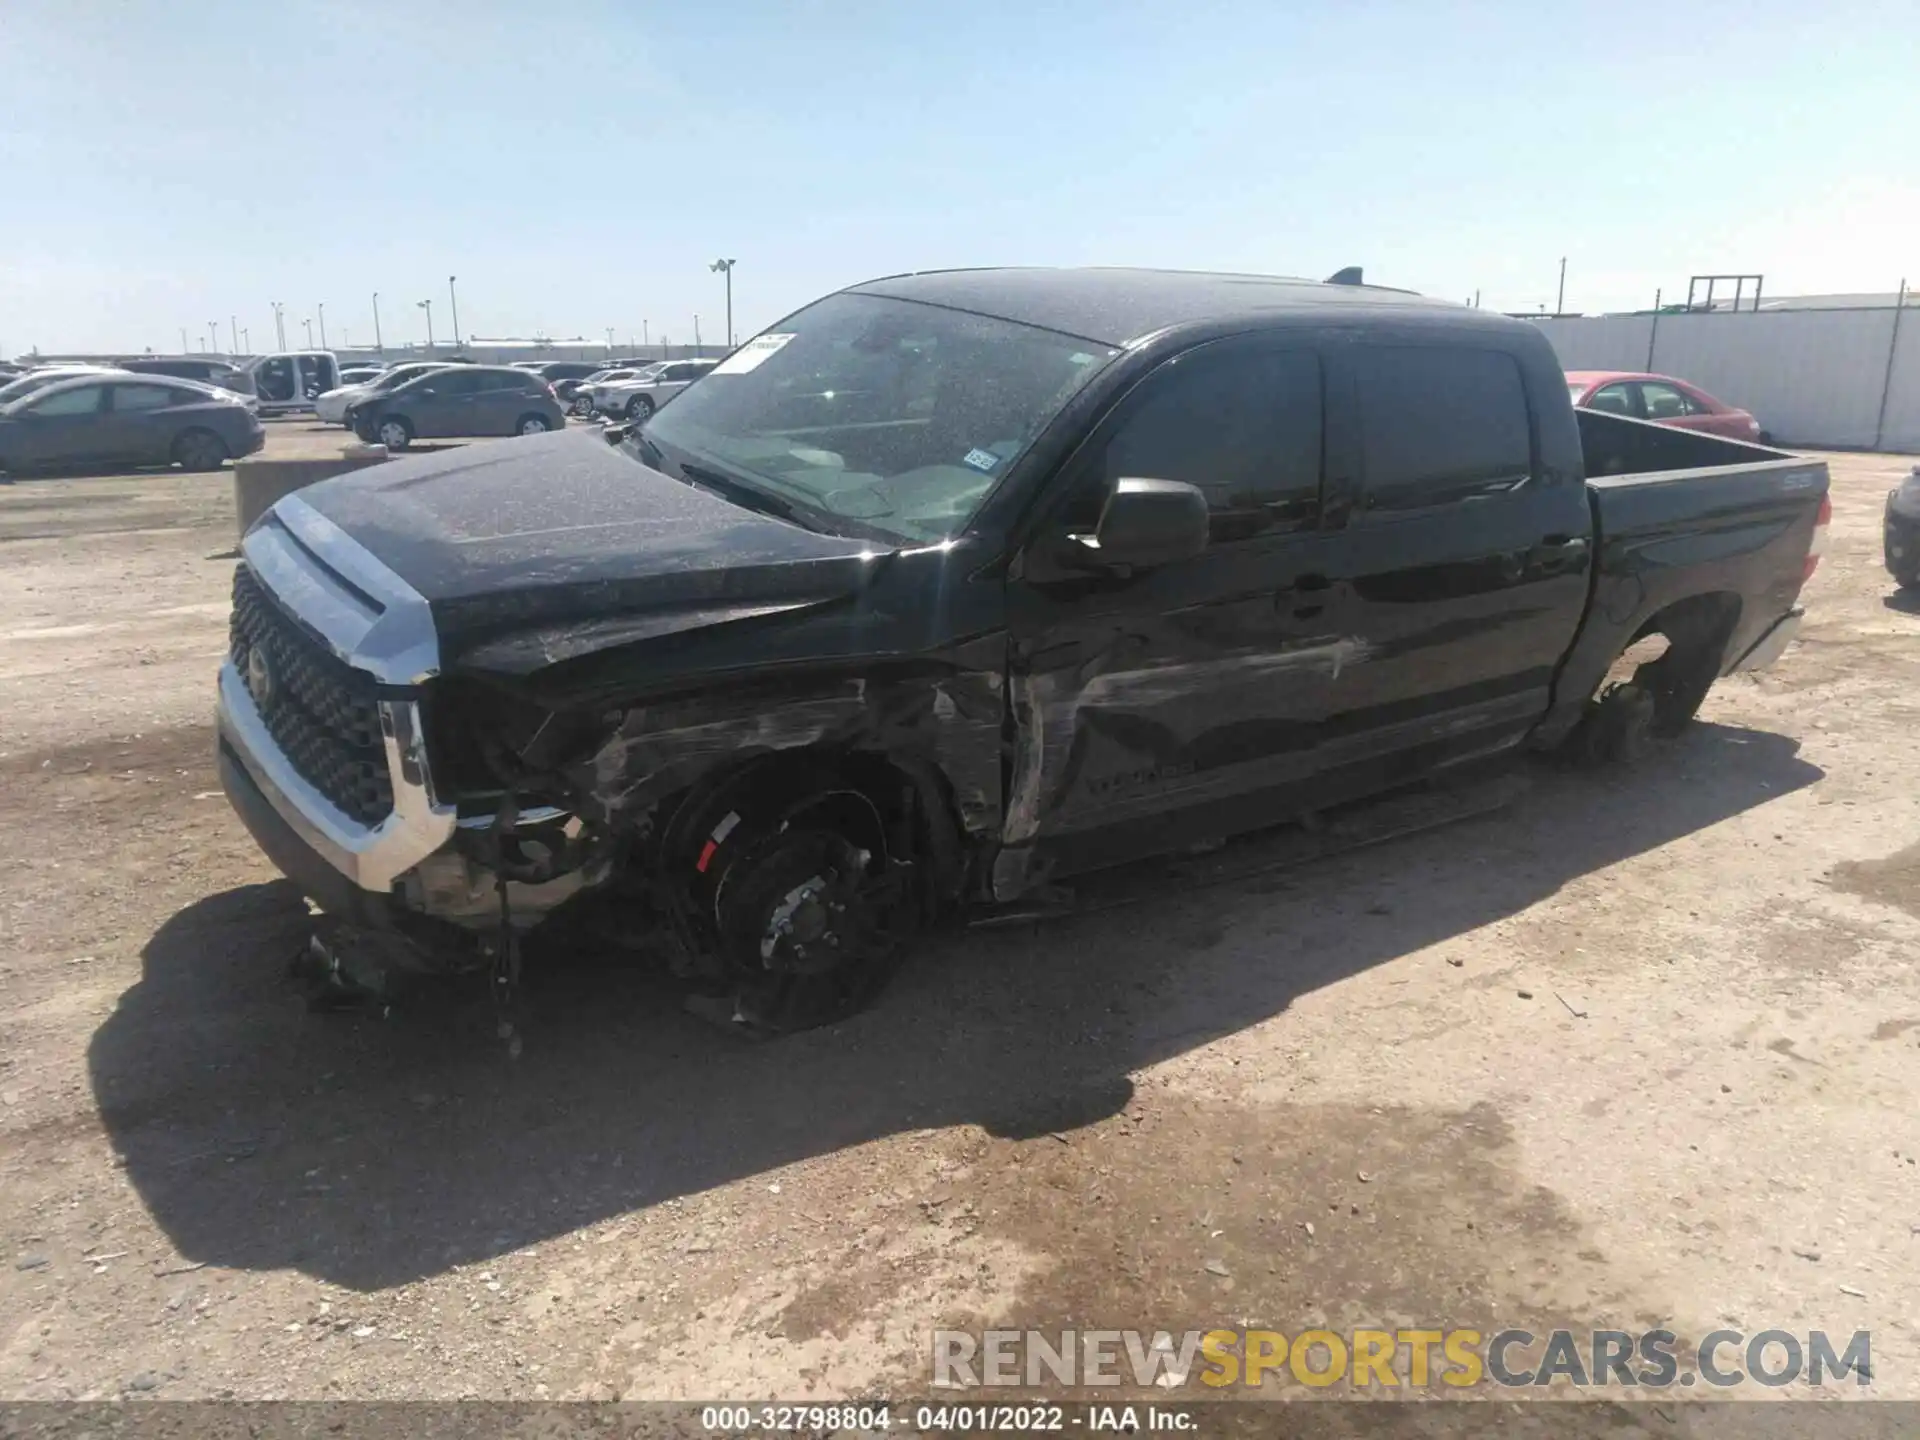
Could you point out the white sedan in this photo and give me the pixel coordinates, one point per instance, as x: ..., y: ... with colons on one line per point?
x: 332, y: 405
x: 639, y: 397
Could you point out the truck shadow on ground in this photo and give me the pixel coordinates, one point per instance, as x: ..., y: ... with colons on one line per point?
x: 371, y: 1153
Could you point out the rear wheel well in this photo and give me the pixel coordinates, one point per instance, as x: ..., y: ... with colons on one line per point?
x: 1675, y: 656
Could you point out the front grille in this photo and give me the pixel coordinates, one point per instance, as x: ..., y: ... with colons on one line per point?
x: 322, y: 713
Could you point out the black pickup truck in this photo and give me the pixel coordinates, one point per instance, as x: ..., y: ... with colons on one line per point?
x: 953, y: 585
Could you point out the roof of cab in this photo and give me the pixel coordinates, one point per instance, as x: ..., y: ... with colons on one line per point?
x: 1120, y: 306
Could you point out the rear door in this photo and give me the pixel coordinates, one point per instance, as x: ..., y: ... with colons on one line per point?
x: 1159, y: 706
x: 139, y: 422
x: 1462, y: 569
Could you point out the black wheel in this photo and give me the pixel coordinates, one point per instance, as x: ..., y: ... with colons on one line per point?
x: 1905, y: 582
x: 640, y: 407
x: 581, y: 406
x: 805, y: 929
x: 199, y: 450
x: 531, y: 425
x: 1618, y: 728
x: 394, y: 433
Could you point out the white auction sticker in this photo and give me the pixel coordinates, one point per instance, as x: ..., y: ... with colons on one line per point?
x: 752, y: 355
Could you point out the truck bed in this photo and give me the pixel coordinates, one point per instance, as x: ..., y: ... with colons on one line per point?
x: 1680, y: 516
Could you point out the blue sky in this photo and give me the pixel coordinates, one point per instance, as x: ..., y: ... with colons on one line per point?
x: 577, y: 165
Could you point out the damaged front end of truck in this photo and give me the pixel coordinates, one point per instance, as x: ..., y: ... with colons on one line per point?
x: 690, y: 775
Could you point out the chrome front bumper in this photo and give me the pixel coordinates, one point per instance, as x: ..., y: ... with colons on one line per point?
x: 372, y: 619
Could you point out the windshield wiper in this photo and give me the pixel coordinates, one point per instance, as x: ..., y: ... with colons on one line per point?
x: 748, y: 497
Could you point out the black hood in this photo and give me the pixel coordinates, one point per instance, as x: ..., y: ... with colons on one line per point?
x: 572, y: 545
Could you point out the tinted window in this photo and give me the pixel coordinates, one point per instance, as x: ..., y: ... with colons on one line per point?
x: 83, y: 401
x: 450, y: 382
x: 274, y: 378
x: 1242, y: 425
x: 151, y: 397
x: 1440, y: 424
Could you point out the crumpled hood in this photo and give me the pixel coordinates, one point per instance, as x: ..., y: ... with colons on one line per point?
x: 574, y: 546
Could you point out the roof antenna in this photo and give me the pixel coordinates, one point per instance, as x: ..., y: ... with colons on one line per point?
x: 1348, y: 276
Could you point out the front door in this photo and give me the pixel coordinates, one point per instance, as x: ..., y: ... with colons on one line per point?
x: 1462, y: 570
x: 444, y: 405
x: 1162, y: 707
x: 63, y: 428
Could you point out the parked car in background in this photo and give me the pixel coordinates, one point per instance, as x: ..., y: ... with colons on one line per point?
x: 208, y: 372
x: 1661, y: 399
x: 292, y: 380
x: 463, y: 400
x: 332, y: 407
x: 118, y: 418
x: 24, y: 385
x: 1901, y: 532
x: 565, y: 377
x: 586, y: 396
x: 646, y: 392
x: 360, y: 374
x: 600, y: 392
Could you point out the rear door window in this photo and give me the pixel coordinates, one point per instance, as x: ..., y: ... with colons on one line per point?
x: 1440, y: 424
x: 1616, y: 399
x: 131, y: 398
x: 1664, y: 402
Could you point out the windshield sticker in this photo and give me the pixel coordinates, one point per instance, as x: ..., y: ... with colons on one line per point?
x: 752, y: 355
x: 981, y: 459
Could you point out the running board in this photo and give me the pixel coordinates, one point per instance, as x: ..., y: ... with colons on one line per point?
x: 1316, y: 837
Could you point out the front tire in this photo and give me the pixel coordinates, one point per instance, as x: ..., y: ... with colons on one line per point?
x: 394, y: 433
x: 640, y: 409
x: 805, y: 930
x: 199, y: 450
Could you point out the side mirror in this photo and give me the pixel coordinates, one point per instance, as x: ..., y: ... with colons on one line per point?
x: 1147, y: 523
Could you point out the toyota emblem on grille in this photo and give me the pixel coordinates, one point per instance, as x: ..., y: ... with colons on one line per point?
x: 260, y: 681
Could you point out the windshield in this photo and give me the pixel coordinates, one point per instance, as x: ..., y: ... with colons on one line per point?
x: 895, y: 415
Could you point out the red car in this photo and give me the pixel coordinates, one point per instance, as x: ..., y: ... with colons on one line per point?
x: 1662, y: 399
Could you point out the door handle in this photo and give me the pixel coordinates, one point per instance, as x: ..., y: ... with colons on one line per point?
x: 1559, y: 551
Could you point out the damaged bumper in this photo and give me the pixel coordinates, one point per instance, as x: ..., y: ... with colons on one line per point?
x: 409, y: 863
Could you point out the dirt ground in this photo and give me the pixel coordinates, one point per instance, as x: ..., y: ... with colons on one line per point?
x: 1640, y: 1049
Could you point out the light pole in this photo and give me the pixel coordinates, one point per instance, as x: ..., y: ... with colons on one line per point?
x: 244, y: 346
x: 725, y: 267
x: 454, y: 301
x: 427, y: 305
x: 309, y: 324
x: 645, y: 343
x: 696, y: 335
x: 183, y: 341
x: 1560, y: 300
x: 233, y: 329
x: 323, y: 325
x: 609, y: 342
x: 378, y: 348
x: 280, y: 323
x: 213, y: 332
